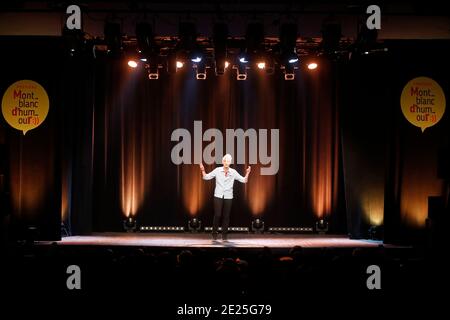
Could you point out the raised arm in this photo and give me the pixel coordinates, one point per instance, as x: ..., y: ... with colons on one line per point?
x: 207, y: 176
x: 241, y: 178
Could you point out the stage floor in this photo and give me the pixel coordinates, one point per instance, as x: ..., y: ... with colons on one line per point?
x: 204, y: 240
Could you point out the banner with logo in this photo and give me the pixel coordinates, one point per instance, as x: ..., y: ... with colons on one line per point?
x: 423, y: 102
x: 25, y: 105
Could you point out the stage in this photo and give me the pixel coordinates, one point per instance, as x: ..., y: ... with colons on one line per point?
x: 204, y: 240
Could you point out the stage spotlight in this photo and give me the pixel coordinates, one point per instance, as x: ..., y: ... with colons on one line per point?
x: 200, y: 72
x: 132, y: 63
x: 188, y: 46
x: 200, y: 76
x: 243, y: 59
x: 289, y: 62
x: 130, y: 224
x: 331, y: 35
x: 241, y: 76
x: 196, y: 59
x: 179, y: 64
x: 322, y: 226
x: 194, y: 225
x: 74, y: 41
x: 113, y: 38
x: 366, y: 40
x: 172, y: 63
x: 254, y: 38
x: 258, y: 226
x: 288, y: 37
x: 289, y: 76
x: 153, y: 76
x: 270, y: 65
x: 132, y: 57
x: 241, y: 72
x: 220, y: 36
x: 199, y: 66
x: 289, y: 72
x: 288, y: 50
x: 144, y: 38
x: 288, y: 44
x: 254, y: 47
x: 220, y: 66
x: 187, y: 32
x: 153, y: 72
x: 241, y: 67
x: 220, y: 69
x: 312, y: 65
x: 289, y: 57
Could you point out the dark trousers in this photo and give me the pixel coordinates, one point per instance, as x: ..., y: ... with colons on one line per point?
x: 222, y: 209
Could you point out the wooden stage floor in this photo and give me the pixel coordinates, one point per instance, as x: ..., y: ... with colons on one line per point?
x: 238, y: 240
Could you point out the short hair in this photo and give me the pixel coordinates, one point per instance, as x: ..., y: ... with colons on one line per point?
x: 227, y: 156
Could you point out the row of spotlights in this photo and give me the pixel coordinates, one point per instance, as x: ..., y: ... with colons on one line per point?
x: 180, y: 64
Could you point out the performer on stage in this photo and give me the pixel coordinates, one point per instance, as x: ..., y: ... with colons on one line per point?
x: 223, y: 193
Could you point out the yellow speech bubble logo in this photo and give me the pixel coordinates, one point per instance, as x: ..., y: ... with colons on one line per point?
x: 25, y: 105
x: 423, y: 102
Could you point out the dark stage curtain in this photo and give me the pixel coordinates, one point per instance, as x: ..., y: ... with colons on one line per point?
x: 390, y: 166
x: 32, y: 162
x: 78, y: 90
x: 414, y: 164
x: 134, y: 120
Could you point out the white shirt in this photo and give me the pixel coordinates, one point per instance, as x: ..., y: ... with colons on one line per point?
x: 224, y: 182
